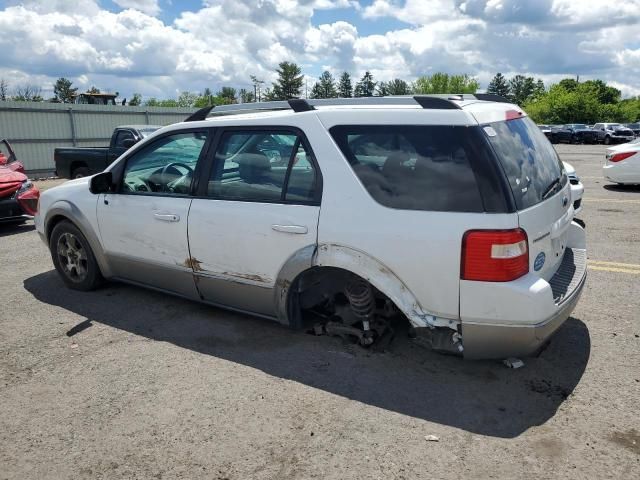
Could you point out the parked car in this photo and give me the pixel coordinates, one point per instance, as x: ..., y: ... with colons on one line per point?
x: 622, y: 164
x: 426, y: 212
x: 577, y: 188
x: 77, y: 162
x: 635, y: 127
x: 546, y: 129
x: 18, y: 196
x: 573, y: 133
x: 609, y: 133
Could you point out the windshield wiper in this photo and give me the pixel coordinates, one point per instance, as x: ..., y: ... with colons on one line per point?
x: 550, y: 189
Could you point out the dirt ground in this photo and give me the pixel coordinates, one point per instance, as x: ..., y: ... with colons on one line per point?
x: 128, y: 383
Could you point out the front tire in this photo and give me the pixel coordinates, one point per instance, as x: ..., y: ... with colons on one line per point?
x: 73, y: 258
x: 607, y: 140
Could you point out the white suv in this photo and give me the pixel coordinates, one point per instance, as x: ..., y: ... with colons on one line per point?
x: 451, y: 212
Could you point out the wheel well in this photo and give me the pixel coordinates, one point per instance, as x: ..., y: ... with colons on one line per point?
x: 76, y: 165
x: 318, y: 286
x: 53, y: 222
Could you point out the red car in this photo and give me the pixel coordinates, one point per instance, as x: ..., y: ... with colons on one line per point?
x: 18, y: 196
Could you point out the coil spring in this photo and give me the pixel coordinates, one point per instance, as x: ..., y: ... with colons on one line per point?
x: 360, y: 298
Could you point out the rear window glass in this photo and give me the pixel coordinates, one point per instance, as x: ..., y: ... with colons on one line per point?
x: 530, y: 162
x: 413, y: 167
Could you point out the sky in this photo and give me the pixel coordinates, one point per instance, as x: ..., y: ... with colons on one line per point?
x: 159, y: 48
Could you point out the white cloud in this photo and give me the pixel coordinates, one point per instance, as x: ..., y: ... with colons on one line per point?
x: 226, y: 41
x: 150, y: 7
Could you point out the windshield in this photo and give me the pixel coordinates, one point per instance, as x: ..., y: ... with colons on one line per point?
x: 578, y: 126
x: 528, y: 159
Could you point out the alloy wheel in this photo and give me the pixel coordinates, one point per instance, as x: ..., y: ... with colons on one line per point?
x: 73, y: 257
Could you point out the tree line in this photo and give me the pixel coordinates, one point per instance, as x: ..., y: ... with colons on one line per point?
x: 568, y: 101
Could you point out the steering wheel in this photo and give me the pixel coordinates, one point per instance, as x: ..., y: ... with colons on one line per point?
x: 173, y: 166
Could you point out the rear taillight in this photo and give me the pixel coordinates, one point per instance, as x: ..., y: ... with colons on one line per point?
x: 618, y: 157
x: 494, y: 255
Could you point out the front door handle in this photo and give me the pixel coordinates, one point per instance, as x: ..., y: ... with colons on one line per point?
x: 167, y: 217
x: 299, y: 229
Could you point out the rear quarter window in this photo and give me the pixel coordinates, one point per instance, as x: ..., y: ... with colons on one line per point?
x: 414, y: 167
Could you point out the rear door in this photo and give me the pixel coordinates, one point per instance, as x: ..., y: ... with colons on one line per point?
x: 256, y: 208
x: 540, y: 187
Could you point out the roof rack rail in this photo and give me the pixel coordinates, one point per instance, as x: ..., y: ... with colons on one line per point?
x: 492, y: 97
x: 443, y: 102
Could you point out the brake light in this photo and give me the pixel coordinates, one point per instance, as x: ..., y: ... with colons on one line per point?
x: 494, y: 255
x: 513, y: 114
x: 618, y: 157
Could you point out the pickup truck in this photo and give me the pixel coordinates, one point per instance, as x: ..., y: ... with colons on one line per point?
x: 77, y: 162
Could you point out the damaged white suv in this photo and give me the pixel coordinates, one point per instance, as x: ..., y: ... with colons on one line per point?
x: 453, y: 212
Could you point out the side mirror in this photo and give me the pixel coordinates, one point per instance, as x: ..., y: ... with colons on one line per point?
x: 128, y: 143
x: 101, y: 183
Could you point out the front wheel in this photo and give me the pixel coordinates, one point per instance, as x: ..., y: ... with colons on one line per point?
x: 607, y: 140
x: 73, y: 258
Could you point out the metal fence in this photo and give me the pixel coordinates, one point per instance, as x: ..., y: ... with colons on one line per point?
x: 36, y: 129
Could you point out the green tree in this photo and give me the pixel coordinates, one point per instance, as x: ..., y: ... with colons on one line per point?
x: 440, y: 83
x: 136, y: 100
x: 398, y: 87
x: 187, y: 99
x: 245, y: 95
x: 63, y: 91
x: 316, y: 91
x: 366, y: 87
x: 521, y: 89
x: 4, y: 90
x: 289, y: 83
x: 539, y: 89
x: 569, y: 84
x: 499, y: 86
x: 93, y: 89
x: 345, y: 87
x: 605, y: 93
x: 382, y: 89
x: 327, y: 85
x: 228, y: 95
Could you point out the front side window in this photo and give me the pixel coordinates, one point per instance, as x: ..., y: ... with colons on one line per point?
x: 263, y: 166
x: 166, y: 166
x: 414, y: 167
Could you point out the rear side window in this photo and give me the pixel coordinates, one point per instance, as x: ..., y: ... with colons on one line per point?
x: 263, y: 166
x: 530, y: 162
x: 411, y: 167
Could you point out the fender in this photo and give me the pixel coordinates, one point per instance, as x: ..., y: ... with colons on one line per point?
x: 367, y: 267
x: 71, y: 212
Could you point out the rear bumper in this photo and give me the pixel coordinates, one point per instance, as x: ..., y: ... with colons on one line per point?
x: 621, y: 172
x: 513, y: 330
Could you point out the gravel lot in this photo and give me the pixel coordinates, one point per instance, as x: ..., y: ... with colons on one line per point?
x: 129, y: 383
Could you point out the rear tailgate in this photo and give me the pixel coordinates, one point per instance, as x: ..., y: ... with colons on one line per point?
x: 540, y: 187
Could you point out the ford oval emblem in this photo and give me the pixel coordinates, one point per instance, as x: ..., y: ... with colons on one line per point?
x: 565, y: 201
x: 539, y: 262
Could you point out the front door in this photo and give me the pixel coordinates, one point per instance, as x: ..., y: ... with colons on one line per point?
x: 257, y: 208
x: 143, y: 227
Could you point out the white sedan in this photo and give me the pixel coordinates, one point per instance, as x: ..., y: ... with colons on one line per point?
x: 623, y: 163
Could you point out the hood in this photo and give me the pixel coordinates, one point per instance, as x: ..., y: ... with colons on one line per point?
x: 10, y: 181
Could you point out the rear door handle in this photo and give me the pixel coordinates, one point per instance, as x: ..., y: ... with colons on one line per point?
x: 299, y: 229
x: 167, y: 217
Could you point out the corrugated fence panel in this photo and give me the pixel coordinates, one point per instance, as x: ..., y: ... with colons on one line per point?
x: 36, y: 129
